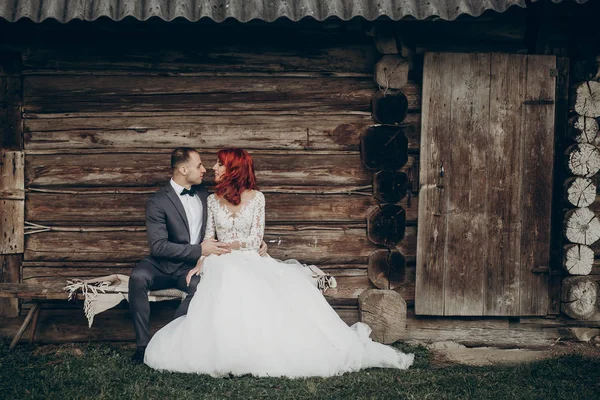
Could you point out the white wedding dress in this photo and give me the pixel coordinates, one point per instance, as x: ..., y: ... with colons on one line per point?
x: 257, y: 315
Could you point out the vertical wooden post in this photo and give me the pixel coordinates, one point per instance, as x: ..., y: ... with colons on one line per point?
x: 12, y: 182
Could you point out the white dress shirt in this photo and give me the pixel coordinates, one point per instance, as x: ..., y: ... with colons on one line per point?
x: 193, y: 211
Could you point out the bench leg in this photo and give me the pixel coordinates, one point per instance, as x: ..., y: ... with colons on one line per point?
x: 21, y: 330
x: 36, y: 316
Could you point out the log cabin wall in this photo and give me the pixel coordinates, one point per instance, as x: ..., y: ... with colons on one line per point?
x: 104, y: 103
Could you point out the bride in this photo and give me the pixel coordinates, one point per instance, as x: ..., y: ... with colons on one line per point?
x: 257, y: 315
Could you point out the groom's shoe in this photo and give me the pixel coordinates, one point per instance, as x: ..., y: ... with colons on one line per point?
x: 138, y: 356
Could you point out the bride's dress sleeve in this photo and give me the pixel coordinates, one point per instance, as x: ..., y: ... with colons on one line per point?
x: 257, y: 230
x: 210, y: 219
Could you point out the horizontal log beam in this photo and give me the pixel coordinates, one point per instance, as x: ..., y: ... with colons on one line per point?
x: 148, y: 169
x: 309, y: 244
x: 111, y: 209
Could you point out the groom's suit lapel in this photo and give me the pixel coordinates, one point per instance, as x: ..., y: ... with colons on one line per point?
x: 174, y: 197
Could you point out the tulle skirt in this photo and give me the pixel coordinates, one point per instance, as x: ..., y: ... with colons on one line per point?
x: 257, y: 315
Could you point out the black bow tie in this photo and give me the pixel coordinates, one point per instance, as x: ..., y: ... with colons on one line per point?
x: 189, y: 191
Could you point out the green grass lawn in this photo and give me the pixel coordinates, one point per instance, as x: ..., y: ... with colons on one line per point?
x: 103, y: 371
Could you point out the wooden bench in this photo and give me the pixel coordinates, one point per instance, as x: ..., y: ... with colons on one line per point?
x: 37, y: 294
x: 344, y: 296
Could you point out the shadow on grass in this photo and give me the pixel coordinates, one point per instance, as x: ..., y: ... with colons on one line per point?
x: 103, y: 371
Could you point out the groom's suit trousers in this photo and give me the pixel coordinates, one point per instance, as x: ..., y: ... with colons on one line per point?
x: 145, y: 277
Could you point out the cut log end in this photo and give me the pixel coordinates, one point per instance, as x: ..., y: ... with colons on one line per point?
x: 384, y: 147
x: 582, y: 226
x: 390, y: 186
x: 578, y: 259
x: 384, y: 311
x: 584, y: 160
x: 389, y: 108
x: 581, y: 192
x: 583, y: 129
x: 387, y: 269
x: 386, y: 224
x: 391, y: 72
x: 579, y: 296
x: 587, y: 99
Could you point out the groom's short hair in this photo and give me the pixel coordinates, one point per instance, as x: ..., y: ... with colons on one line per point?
x: 180, y: 155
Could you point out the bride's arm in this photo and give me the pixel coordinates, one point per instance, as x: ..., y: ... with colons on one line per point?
x: 254, y: 239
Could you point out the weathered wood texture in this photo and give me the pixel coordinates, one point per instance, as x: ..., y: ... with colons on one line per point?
x: 385, y: 313
x: 387, y: 269
x: 462, y: 267
x: 579, y: 297
x: 581, y: 192
x: 10, y: 271
x: 153, y: 169
x: 584, y: 159
x: 579, y: 259
x: 391, y: 72
x: 583, y: 129
x: 586, y: 99
x: 12, y: 197
x: 310, y: 244
x: 251, y: 130
x: 582, y: 226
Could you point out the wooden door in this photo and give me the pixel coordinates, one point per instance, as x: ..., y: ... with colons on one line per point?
x: 487, y: 148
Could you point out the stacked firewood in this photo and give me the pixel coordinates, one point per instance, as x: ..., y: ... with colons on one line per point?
x: 384, y: 150
x: 582, y: 226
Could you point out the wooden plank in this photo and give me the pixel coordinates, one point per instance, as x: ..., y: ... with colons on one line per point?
x: 432, y: 234
x: 309, y: 244
x: 231, y: 50
x: 465, y: 179
x: 153, y: 169
x: 537, y: 174
x: 560, y: 143
x: 10, y: 269
x: 250, y: 131
x: 12, y: 209
x: 129, y: 208
x: 507, y: 93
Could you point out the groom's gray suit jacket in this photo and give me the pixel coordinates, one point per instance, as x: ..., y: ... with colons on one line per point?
x: 168, y: 231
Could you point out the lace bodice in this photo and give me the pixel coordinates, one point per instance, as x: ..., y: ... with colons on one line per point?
x: 246, y: 226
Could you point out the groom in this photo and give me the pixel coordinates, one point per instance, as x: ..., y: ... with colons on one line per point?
x: 175, y: 224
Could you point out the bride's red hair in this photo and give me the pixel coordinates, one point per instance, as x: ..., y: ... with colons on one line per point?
x: 239, y: 174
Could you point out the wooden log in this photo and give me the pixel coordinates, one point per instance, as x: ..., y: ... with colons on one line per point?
x: 10, y: 272
x: 387, y: 269
x: 391, y: 72
x: 578, y: 259
x: 385, y: 313
x: 153, y: 169
x: 585, y: 70
x: 118, y: 209
x: 579, y: 296
x: 193, y: 94
x: 581, y: 192
x: 390, y: 186
x: 586, y: 99
x: 384, y: 147
x: 211, y: 130
x: 583, y: 129
x: 582, y: 226
x: 232, y: 51
x: 12, y: 197
x: 389, y: 107
x: 386, y: 224
x: 584, y: 159
x: 385, y: 43
x: 310, y: 244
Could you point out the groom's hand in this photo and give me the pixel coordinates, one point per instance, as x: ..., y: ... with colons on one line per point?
x: 211, y: 246
x: 263, y: 249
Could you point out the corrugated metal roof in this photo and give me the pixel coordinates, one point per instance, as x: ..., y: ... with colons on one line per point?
x: 246, y: 10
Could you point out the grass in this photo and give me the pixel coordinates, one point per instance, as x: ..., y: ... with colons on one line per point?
x: 103, y: 371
